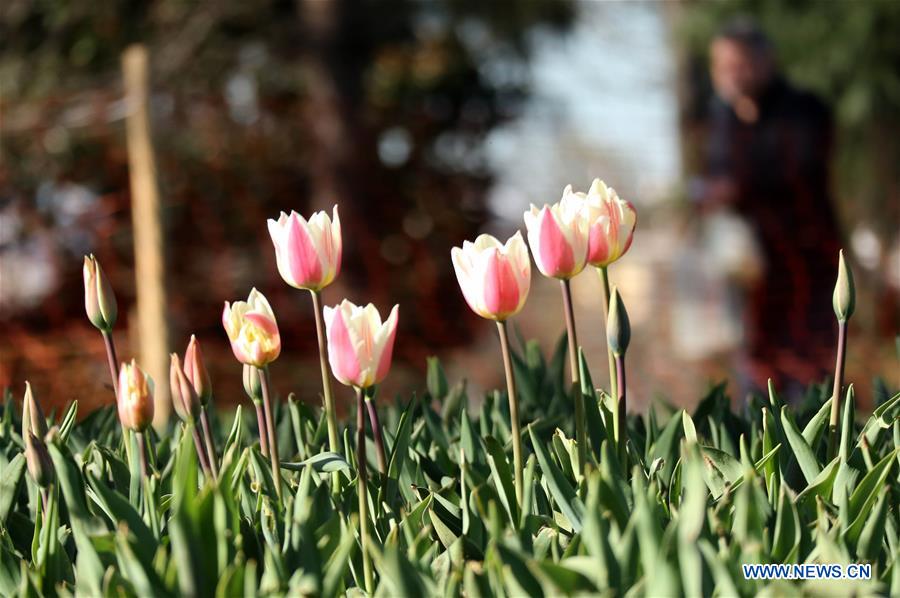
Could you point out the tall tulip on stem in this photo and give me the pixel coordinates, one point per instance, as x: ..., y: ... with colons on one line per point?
x: 308, y: 255
x: 197, y: 374
x: 360, y: 348
x: 844, y: 303
x: 34, y: 433
x: 253, y: 332
x: 102, y: 311
x: 558, y: 236
x: 495, y: 279
x: 611, y: 222
x: 187, y: 406
x: 135, y: 405
x: 618, y: 335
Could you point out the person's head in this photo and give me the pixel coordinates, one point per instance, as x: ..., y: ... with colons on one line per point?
x: 742, y: 61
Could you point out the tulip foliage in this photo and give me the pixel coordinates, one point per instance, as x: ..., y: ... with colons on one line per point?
x: 551, y: 488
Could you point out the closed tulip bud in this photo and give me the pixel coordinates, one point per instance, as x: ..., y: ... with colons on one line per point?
x: 252, y: 330
x: 558, y: 236
x: 844, y: 298
x: 611, y: 222
x: 195, y: 370
x: 252, y: 383
x: 184, y: 397
x: 494, y: 278
x: 360, y: 345
x: 135, y: 399
x: 99, y: 299
x: 33, y: 419
x: 618, y: 329
x: 37, y: 459
x: 307, y: 252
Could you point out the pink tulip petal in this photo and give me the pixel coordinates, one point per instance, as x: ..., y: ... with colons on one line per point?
x: 341, y: 353
x: 300, y: 254
x: 554, y: 251
x: 598, y: 246
x: 262, y: 321
x: 387, y: 352
x: 501, y: 290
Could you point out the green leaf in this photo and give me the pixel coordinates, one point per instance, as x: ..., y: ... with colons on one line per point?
x: 436, y: 379
x: 562, y: 491
x: 804, y: 455
x: 503, y: 478
x: 326, y: 462
x: 9, y: 484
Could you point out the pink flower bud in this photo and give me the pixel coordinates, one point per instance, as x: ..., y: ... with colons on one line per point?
x: 252, y: 330
x: 360, y: 346
x: 195, y: 370
x: 99, y: 299
x: 494, y: 278
x: 308, y: 252
x: 135, y: 399
x: 184, y: 397
x: 558, y: 236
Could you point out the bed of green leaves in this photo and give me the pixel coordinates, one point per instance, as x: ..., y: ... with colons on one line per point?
x: 701, y: 493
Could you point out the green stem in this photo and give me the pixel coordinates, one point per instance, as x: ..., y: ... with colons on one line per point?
x: 580, y: 435
x: 112, y: 360
x: 838, y: 386
x: 362, y: 483
x: 261, y: 427
x: 604, y: 278
x: 513, y: 410
x: 330, y: 415
x: 210, y: 444
x: 621, y: 433
x: 376, y: 435
x: 270, y: 427
x: 142, y: 451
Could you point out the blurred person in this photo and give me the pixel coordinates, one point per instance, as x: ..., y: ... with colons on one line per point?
x: 767, y: 159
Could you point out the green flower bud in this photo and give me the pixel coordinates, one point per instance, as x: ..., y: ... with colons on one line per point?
x: 618, y: 328
x: 252, y: 383
x: 38, y: 460
x: 99, y: 299
x: 844, y: 298
x: 33, y: 419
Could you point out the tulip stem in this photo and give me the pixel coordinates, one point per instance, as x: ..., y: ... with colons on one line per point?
x: 838, y: 386
x: 270, y: 427
x: 113, y: 361
x: 376, y: 435
x: 513, y: 409
x: 619, y: 429
x: 261, y: 426
x: 201, y: 452
x: 142, y: 451
x: 580, y: 436
x: 210, y: 443
x: 362, y: 483
x: 604, y: 277
x: 330, y: 415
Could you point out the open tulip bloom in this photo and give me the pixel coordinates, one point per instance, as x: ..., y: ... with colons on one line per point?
x: 611, y: 221
x: 558, y: 236
x: 360, y: 348
x: 495, y: 280
x: 253, y: 332
x: 308, y: 254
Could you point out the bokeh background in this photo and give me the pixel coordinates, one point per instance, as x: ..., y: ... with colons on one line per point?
x: 428, y: 122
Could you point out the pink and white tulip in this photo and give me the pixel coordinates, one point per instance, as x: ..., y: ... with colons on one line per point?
x: 135, y: 398
x: 558, y: 236
x: 252, y: 330
x: 494, y: 278
x: 611, y: 220
x: 360, y: 345
x: 308, y: 252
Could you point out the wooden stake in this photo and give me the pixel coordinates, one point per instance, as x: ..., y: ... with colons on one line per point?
x: 149, y: 260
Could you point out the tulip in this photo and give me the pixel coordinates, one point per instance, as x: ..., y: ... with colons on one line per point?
x: 618, y: 332
x: 33, y: 419
x: 187, y: 406
x: 494, y: 278
x: 135, y: 401
x: 34, y: 431
x: 844, y: 302
x: 99, y: 299
x: 135, y: 404
x: 611, y: 221
x: 196, y: 372
x: 100, y: 305
x: 308, y: 255
x: 252, y: 330
x: 558, y: 236
x: 360, y: 347
x: 307, y: 252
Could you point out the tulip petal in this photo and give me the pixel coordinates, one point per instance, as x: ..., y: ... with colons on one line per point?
x: 554, y: 253
x: 341, y: 352
x: 501, y: 291
x: 300, y: 254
